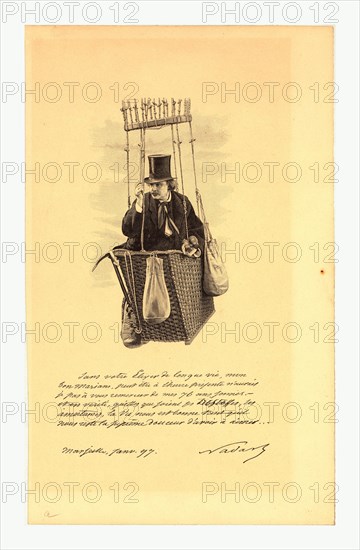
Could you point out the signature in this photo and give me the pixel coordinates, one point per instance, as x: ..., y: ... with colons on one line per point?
x: 239, y: 447
x: 48, y: 515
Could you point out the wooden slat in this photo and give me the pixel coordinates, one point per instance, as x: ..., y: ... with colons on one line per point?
x: 157, y: 122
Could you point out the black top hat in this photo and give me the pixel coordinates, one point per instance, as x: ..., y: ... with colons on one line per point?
x: 159, y: 168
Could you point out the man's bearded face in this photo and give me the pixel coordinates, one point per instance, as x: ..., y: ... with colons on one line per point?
x: 159, y: 190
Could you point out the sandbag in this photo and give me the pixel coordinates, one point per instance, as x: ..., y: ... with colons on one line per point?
x: 215, y: 280
x: 156, y: 301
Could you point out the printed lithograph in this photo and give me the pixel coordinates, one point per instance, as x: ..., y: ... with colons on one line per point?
x: 181, y: 287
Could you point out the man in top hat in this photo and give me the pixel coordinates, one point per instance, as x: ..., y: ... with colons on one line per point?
x: 164, y: 212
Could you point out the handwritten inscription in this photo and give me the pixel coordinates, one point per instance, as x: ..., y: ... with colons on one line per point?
x: 136, y: 453
x: 142, y: 399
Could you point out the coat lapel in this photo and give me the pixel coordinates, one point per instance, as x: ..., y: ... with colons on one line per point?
x: 152, y: 210
x: 178, y: 212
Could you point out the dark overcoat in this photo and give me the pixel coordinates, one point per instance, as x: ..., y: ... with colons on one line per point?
x: 154, y: 238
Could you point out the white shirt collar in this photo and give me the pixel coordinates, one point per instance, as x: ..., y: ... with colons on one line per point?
x: 168, y: 199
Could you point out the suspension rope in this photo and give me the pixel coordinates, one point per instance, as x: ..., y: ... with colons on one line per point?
x: 182, y: 181
x: 200, y: 205
x: 142, y: 178
x: 174, y: 152
x: 197, y: 192
x: 127, y: 149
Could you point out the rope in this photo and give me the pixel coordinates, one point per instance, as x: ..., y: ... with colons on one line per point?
x: 197, y: 192
x: 182, y: 180
x: 208, y: 235
x: 142, y: 178
x: 200, y: 206
x: 131, y: 279
x: 127, y: 149
x: 174, y: 152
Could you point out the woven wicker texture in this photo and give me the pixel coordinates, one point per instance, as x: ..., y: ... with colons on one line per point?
x: 195, y: 306
x: 190, y: 307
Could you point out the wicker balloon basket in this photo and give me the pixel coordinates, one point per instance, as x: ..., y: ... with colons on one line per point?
x: 190, y: 306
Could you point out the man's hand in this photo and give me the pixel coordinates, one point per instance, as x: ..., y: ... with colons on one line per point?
x: 191, y: 247
x: 139, y: 193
